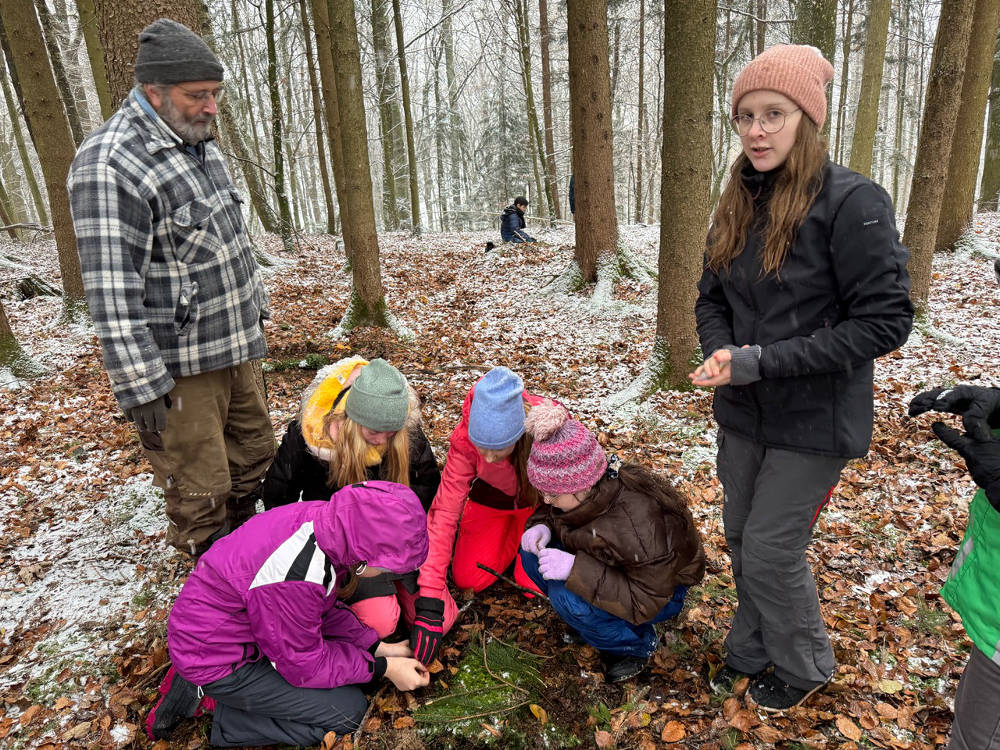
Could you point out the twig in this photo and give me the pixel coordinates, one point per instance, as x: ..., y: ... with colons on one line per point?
x: 371, y: 705
x: 496, y: 677
x: 512, y: 582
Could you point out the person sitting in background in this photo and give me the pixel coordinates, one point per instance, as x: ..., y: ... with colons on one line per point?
x: 512, y: 222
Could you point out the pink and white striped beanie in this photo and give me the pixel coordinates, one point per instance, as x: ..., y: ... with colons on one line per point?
x: 565, y: 457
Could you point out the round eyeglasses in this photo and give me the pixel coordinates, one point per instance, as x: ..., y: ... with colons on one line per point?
x: 202, y: 96
x: 770, y: 122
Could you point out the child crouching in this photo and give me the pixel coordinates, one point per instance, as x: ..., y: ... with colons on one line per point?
x: 614, y: 549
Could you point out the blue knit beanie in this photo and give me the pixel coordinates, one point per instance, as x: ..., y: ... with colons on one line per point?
x: 496, y: 419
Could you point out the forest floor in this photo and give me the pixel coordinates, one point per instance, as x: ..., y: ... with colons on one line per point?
x: 86, y: 582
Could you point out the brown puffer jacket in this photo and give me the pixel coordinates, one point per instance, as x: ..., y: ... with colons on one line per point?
x: 634, y: 541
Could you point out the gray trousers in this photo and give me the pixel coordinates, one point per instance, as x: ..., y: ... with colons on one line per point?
x: 977, y: 706
x: 256, y: 706
x: 772, y: 499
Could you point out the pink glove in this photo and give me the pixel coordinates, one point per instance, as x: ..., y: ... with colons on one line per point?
x: 535, y: 538
x: 554, y: 564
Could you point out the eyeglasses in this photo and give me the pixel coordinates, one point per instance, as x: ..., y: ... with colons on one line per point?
x: 770, y: 122
x: 202, y: 96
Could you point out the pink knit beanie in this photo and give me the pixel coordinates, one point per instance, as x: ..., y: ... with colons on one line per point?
x: 565, y: 457
x: 798, y: 71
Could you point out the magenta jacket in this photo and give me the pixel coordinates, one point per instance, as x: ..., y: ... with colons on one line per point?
x: 269, y: 589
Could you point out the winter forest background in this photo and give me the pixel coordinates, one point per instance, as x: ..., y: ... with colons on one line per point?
x: 375, y: 144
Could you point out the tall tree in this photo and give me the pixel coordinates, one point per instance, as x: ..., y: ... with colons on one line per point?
x: 454, y: 118
x: 963, y: 165
x: 903, y: 61
x: 590, y: 119
x: 689, y: 42
x: 989, y: 187
x: 59, y: 69
x: 367, y: 305
x: 411, y: 154
x: 22, y: 150
x: 12, y: 356
x: 816, y: 24
x: 944, y: 88
x: 317, y: 108
x: 550, y: 152
x: 390, y: 120
x: 871, y: 85
x: 53, y: 139
x: 95, y: 52
x: 845, y: 54
x: 762, y: 26
x: 640, y: 140
x: 328, y: 82
x: 284, y: 212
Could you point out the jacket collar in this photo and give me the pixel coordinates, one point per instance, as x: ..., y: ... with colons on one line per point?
x: 158, y: 135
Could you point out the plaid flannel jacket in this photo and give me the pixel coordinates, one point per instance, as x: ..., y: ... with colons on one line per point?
x: 168, y: 267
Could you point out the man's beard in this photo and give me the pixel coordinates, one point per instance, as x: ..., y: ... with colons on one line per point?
x: 192, y: 132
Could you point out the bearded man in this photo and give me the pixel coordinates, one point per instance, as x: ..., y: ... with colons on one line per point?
x: 175, y: 294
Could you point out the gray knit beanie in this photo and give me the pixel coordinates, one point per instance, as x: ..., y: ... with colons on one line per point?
x: 379, y: 398
x: 170, y: 52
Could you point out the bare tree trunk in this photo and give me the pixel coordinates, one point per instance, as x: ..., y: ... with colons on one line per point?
x: 284, y: 213
x: 934, y: 148
x: 367, y: 305
x: 590, y: 118
x: 871, y: 85
x: 904, y: 66
x: 762, y: 25
x: 411, y: 154
x: 524, y: 39
x: 989, y: 187
x: 55, y: 58
x: 845, y: 51
x: 388, y: 108
x: 12, y: 356
x: 328, y: 82
x: 53, y: 138
x: 963, y: 166
x: 550, y: 155
x: 641, y: 134
x: 95, y: 51
x: 324, y: 172
x: 816, y: 24
x: 440, y: 125
x: 6, y: 213
x: 22, y: 150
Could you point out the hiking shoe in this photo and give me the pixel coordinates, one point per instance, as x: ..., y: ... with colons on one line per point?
x: 773, y: 694
x: 621, y: 667
x: 726, y: 678
x: 179, y: 699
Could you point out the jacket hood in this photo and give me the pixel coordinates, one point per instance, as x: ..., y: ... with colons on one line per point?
x: 380, y: 523
x: 325, y: 391
x: 511, y: 209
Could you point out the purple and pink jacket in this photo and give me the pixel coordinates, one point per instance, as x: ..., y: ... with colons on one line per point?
x: 269, y: 589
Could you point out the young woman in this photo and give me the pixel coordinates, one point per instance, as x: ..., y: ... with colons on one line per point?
x: 485, y: 495
x: 614, y: 548
x: 260, y: 630
x: 805, y: 283
x: 359, y: 420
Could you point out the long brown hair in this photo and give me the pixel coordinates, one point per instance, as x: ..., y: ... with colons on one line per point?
x: 795, y: 189
x: 519, y: 459
x: 347, y: 465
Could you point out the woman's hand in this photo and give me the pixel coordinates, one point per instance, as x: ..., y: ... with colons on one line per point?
x: 406, y: 674
x: 394, y: 649
x: 714, y: 371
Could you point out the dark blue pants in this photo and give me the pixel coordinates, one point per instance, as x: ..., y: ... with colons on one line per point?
x: 602, y: 630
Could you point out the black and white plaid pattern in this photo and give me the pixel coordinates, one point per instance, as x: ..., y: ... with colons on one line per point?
x: 168, y: 267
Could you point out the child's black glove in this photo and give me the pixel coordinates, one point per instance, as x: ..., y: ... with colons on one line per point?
x: 428, y: 628
x: 981, y: 456
x: 979, y: 407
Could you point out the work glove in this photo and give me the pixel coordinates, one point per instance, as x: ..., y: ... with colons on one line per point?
x: 978, y: 406
x: 535, y: 538
x: 981, y: 456
x: 554, y: 564
x: 151, y: 416
x: 428, y: 628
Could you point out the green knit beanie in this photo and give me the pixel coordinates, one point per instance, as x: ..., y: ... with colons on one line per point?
x: 379, y: 398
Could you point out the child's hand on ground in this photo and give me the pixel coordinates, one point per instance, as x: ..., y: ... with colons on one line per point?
x: 554, y: 564
x: 535, y: 538
x: 394, y: 649
x: 406, y: 674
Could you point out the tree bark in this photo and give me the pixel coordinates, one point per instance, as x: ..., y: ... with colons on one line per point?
x: 816, y: 24
x: 845, y: 52
x: 95, y: 51
x: 963, y: 166
x: 640, y: 151
x: 367, y: 304
x: 524, y: 39
x: 324, y: 172
x: 550, y: 152
x: 901, y: 120
x: 590, y: 118
x: 284, y: 212
x: 989, y: 187
x: 55, y: 58
x: 53, y: 138
x: 944, y: 89
x: 762, y: 24
x: 390, y: 121
x: 871, y: 86
x: 440, y: 128
x: 328, y: 82
x: 12, y: 356
x: 689, y: 42
x: 22, y: 150
x: 411, y: 155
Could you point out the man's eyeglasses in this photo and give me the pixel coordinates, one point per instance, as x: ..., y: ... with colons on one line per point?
x: 770, y: 122
x: 202, y: 96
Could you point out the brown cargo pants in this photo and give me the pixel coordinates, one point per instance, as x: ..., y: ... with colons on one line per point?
x: 214, y: 452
